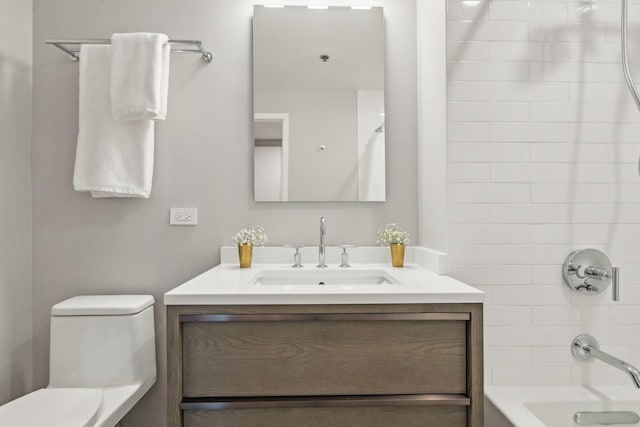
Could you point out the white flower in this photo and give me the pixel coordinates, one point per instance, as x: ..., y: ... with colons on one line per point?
x: 254, y: 235
x: 392, y: 233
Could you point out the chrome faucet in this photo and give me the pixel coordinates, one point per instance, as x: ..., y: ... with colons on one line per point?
x: 586, y: 348
x: 321, y: 248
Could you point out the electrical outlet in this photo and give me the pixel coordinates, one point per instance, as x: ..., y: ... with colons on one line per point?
x: 183, y: 216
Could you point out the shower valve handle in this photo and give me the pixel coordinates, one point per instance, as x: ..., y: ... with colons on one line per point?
x: 589, y: 272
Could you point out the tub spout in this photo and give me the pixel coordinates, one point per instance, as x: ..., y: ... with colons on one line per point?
x: 586, y: 348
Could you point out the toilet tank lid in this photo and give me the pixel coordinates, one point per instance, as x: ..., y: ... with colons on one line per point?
x: 102, y: 305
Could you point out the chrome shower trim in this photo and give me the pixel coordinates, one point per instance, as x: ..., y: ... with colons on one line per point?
x: 585, y: 348
x: 625, y: 60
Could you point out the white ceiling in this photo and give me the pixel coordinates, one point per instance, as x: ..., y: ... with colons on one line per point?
x: 289, y: 41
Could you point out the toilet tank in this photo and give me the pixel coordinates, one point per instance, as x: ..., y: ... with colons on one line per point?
x: 102, y: 340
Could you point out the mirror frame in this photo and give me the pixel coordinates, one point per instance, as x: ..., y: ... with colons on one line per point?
x: 363, y: 143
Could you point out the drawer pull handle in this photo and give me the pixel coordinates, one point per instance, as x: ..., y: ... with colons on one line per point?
x: 308, y: 317
x: 204, y: 404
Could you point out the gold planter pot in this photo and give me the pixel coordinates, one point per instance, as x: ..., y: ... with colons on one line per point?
x: 244, y: 253
x: 397, y: 254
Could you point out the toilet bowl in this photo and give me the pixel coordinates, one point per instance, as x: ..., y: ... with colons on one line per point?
x: 53, y: 407
x: 102, y: 361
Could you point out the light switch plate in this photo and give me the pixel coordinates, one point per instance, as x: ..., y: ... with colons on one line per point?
x: 183, y: 216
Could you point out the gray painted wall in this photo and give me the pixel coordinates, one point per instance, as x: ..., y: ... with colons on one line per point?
x: 203, y: 159
x: 16, y: 334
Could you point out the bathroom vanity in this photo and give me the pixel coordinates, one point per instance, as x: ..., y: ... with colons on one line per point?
x: 372, y: 346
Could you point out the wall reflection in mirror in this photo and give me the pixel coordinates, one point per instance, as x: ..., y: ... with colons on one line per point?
x: 318, y: 85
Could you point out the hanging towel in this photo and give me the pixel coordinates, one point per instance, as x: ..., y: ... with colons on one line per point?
x: 113, y: 159
x: 139, y: 76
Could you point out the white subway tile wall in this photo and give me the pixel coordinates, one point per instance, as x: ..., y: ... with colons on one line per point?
x: 543, y: 144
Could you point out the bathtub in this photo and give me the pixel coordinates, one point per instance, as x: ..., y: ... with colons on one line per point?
x: 555, y: 406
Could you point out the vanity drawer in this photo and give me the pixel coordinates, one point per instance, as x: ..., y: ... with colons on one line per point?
x: 335, y: 417
x: 324, y: 354
x: 370, y: 411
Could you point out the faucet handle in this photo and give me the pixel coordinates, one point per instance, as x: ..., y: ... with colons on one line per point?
x: 615, y: 279
x: 589, y: 271
x: 345, y: 255
x: 297, y: 257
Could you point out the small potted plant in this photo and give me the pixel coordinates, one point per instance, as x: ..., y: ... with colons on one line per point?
x: 394, y: 236
x: 246, y: 239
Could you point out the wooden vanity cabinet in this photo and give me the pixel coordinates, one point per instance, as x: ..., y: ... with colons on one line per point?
x: 325, y: 365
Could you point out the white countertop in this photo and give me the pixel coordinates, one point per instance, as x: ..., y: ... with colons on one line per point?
x: 228, y: 284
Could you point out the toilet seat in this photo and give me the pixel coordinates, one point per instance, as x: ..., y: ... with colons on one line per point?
x: 53, y: 407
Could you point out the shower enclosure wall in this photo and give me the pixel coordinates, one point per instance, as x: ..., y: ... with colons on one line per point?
x: 543, y: 144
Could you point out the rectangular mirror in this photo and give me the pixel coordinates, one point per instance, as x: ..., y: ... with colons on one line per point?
x: 318, y: 99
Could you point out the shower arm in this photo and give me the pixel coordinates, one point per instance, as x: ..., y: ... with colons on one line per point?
x: 625, y: 57
x: 625, y: 61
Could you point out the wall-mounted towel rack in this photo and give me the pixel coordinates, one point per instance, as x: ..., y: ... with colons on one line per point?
x: 72, y: 47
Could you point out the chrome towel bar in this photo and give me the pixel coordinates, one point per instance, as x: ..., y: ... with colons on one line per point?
x: 72, y: 47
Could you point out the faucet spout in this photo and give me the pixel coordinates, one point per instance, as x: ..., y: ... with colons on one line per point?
x: 586, y: 348
x: 322, y: 247
x: 631, y: 370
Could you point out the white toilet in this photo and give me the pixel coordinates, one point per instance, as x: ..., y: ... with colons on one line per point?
x: 102, y: 361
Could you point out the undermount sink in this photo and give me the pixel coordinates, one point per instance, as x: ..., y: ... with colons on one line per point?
x: 323, y: 277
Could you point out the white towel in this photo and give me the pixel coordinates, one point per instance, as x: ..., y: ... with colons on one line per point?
x: 113, y: 159
x: 139, y: 76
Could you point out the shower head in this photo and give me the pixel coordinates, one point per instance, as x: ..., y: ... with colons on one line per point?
x: 380, y: 128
